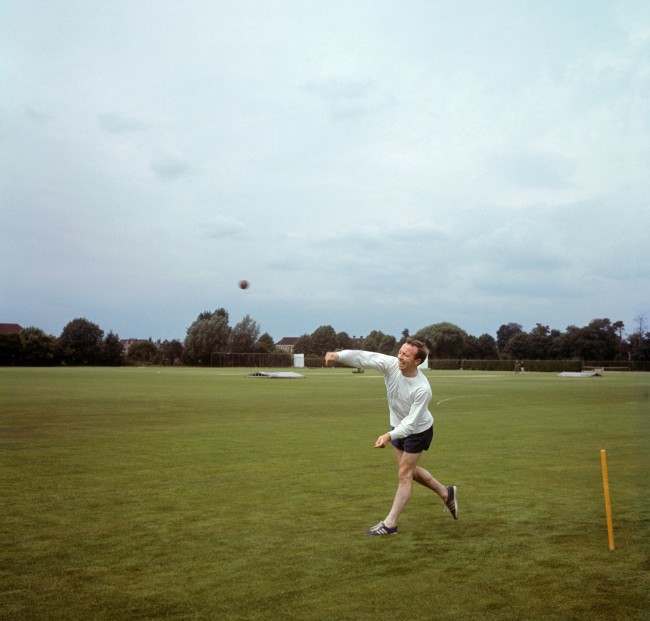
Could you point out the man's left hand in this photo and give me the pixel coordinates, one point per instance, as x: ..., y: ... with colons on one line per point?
x: 382, y: 441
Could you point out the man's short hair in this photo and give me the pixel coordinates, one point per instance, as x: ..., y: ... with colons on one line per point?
x: 423, y: 351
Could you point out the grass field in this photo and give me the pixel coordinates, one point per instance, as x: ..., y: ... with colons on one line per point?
x: 146, y: 493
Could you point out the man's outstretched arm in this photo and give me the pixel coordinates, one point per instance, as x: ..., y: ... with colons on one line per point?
x: 359, y: 358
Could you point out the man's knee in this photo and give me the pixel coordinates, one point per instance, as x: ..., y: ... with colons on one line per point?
x: 406, y: 473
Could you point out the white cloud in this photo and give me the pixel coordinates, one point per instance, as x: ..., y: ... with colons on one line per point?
x: 170, y: 168
x: 118, y: 124
x: 361, y: 165
x: 221, y: 227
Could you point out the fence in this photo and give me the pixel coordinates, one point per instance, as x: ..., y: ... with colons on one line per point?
x: 314, y: 362
x: 553, y: 366
x: 504, y: 365
x: 619, y: 365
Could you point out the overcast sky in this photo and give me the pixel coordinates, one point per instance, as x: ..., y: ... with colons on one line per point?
x: 365, y: 164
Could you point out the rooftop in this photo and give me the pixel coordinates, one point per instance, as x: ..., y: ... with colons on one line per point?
x: 10, y: 328
x: 288, y: 340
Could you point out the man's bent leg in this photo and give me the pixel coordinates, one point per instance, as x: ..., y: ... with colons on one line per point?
x: 424, y: 477
x: 407, y: 465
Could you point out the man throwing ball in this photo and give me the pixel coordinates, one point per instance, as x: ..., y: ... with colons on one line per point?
x: 408, y: 392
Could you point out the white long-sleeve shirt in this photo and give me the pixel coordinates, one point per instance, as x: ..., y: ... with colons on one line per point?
x: 408, y: 397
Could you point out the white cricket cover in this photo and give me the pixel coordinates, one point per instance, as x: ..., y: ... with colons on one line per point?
x: 277, y: 374
x: 579, y: 374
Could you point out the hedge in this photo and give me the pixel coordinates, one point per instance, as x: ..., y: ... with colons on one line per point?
x: 623, y: 365
x: 556, y: 366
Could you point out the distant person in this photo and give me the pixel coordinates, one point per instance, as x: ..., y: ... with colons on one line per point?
x: 411, y: 423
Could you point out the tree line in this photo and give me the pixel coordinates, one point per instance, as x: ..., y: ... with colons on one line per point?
x: 601, y: 339
x: 445, y: 340
x: 83, y: 342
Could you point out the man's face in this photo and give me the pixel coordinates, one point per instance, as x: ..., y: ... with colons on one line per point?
x: 406, y: 358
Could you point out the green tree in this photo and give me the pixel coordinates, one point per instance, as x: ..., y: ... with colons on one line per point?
x: 209, y: 334
x: 323, y: 339
x: 618, y: 327
x: 557, y: 348
x: 605, y: 339
x: 171, y: 352
x: 505, y: 332
x: 540, y: 342
x: 638, y: 345
x: 81, y: 342
x: 244, y: 335
x: 519, y: 346
x: 379, y: 342
x: 482, y: 348
x: 471, y: 348
x: 265, y: 344
x: 634, y: 347
x: 10, y: 349
x: 344, y: 341
x: 571, y: 342
x: 144, y: 352
x: 598, y: 340
x: 444, y: 340
x: 38, y: 348
x: 487, y: 347
x: 113, y: 353
x: 303, y: 345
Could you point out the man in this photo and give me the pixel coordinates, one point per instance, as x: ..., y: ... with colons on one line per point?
x: 408, y: 392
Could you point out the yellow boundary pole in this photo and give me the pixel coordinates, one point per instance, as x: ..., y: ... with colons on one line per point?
x: 608, y: 503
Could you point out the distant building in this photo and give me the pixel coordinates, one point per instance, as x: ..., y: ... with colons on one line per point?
x: 287, y: 344
x: 128, y: 343
x: 10, y: 328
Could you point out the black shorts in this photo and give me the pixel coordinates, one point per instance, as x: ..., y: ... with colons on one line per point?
x: 415, y: 443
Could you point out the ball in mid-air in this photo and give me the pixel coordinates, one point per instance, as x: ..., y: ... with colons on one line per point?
x: 244, y: 284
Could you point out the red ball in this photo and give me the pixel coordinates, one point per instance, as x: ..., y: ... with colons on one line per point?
x: 243, y: 284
